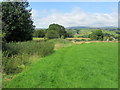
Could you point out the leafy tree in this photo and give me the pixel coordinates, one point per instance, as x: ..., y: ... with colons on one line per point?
x: 16, y: 21
x: 77, y: 31
x: 97, y: 35
x: 58, y: 30
x: 70, y: 35
x: 51, y: 34
x: 39, y: 33
x: 71, y: 32
x: 107, y: 34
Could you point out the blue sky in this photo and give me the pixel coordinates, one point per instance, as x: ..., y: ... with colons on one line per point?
x: 74, y: 13
x: 100, y: 7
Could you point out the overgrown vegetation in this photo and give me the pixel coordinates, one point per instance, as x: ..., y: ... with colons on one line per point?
x: 16, y: 55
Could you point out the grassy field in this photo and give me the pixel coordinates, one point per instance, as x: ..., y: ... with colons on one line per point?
x: 78, y: 38
x: 90, y: 65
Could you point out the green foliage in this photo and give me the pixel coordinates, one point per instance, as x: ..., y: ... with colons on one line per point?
x: 85, y: 33
x: 55, y: 31
x: 107, y: 34
x: 92, y: 65
x: 111, y: 33
x: 111, y: 39
x: 51, y: 34
x: 119, y: 38
x: 70, y: 33
x: 17, y: 54
x: 16, y: 21
x: 97, y: 35
x: 39, y: 33
x: 83, y: 36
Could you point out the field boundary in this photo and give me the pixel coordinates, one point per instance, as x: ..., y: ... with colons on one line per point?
x: 94, y: 42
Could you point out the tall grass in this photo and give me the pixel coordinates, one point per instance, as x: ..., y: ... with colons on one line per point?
x: 17, y: 55
x: 61, y: 43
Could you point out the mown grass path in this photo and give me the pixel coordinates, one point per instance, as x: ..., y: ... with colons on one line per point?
x: 91, y: 65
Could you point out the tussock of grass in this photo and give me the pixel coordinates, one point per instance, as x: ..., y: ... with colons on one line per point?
x: 61, y: 43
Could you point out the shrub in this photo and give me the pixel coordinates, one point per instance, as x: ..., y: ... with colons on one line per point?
x: 39, y: 33
x: 83, y: 40
x: 97, y: 35
x: 111, y: 39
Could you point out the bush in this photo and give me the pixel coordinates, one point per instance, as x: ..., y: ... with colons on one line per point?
x: 39, y: 33
x: 97, y: 35
x: 83, y: 40
x: 111, y: 39
x: 16, y: 55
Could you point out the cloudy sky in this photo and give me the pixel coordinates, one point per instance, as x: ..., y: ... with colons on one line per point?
x: 68, y: 14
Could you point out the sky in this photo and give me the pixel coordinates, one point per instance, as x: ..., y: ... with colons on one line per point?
x: 69, y: 14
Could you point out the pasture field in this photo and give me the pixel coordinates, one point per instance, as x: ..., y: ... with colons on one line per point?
x: 36, y: 39
x: 89, y: 65
x: 78, y: 38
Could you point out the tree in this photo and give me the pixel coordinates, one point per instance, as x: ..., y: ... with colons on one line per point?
x: 16, y: 21
x: 70, y: 35
x: 39, y: 33
x: 58, y: 30
x: 97, y: 35
x: 51, y: 34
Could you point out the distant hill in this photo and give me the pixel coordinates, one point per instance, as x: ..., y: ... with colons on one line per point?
x: 87, y: 27
x: 78, y: 27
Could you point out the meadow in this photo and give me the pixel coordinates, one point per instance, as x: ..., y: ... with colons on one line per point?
x: 88, y: 65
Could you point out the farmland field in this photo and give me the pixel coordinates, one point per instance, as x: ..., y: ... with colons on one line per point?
x: 91, y: 65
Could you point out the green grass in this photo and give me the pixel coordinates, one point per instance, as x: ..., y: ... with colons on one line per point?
x: 92, y: 65
x: 37, y: 39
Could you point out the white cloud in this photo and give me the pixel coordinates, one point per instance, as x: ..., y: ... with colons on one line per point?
x: 76, y: 17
